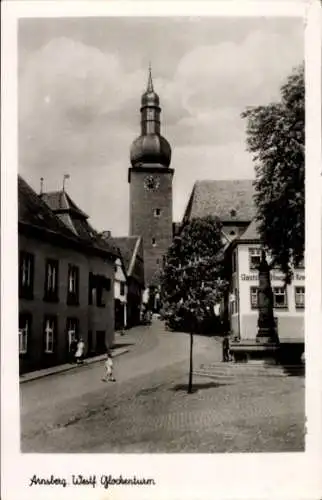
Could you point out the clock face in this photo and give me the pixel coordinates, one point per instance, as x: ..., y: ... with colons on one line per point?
x: 151, y: 183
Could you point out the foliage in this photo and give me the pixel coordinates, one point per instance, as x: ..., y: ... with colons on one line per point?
x: 276, y: 137
x: 192, y: 278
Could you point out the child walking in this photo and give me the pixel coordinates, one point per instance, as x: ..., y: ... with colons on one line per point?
x: 108, y: 365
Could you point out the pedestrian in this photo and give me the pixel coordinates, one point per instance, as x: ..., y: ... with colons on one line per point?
x: 80, y: 351
x: 73, y: 349
x: 226, y: 349
x: 108, y: 367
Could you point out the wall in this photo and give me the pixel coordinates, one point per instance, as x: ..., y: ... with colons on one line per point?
x: 144, y: 223
x: 103, y: 318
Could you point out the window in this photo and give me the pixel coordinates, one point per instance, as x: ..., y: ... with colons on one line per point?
x: 299, y: 297
x: 153, y: 242
x: 73, y: 285
x: 96, y: 285
x: 254, y: 257
x: 51, y: 283
x: 24, y: 332
x: 26, y: 275
x: 157, y: 212
x: 301, y: 264
x: 72, y: 330
x: 280, y: 297
x: 254, y: 297
x: 49, y: 334
x: 122, y: 289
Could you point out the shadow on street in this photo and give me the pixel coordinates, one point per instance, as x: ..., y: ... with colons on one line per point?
x: 197, y: 387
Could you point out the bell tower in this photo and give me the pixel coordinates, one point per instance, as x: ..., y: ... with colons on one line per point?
x: 150, y: 179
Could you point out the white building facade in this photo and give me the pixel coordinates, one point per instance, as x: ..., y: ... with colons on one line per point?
x: 289, y: 301
x: 120, y: 295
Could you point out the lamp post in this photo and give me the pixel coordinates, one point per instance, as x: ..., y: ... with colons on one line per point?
x: 266, y: 329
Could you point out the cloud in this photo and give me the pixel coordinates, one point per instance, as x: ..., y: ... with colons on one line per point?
x: 79, y: 104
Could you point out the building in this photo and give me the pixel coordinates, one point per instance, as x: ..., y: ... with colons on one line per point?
x: 131, y: 249
x: 150, y: 179
x: 232, y: 202
x: 120, y: 295
x: 289, y: 301
x: 66, y: 281
x: 229, y: 200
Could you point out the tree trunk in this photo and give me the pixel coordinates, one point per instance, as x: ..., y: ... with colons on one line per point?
x: 190, y: 367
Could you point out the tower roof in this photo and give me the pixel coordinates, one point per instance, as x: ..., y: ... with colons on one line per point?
x: 150, y: 147
x: 150, y: 98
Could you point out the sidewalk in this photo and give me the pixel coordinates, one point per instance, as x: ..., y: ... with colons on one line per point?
x: 28, y: 377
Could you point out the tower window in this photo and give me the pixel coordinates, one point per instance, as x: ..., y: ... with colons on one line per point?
x: 157, y: 212
x: 154, y: 242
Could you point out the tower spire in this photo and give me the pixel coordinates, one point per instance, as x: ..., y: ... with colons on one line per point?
x: 150, y: 82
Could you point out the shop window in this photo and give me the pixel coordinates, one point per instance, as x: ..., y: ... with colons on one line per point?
x: 26, y: 275
x: 299, y: 297
x: 50, y: 334
x: 24, y: 332
x: 254, y: 258
x: 51, y: 283
x: 73, y: 285
x: 254, y: 297
x: 280, y: 297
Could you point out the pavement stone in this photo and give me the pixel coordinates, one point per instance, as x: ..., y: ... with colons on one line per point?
x: 148, y: 408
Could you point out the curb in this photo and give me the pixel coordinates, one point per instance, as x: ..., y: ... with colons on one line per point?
x: 87, y: 362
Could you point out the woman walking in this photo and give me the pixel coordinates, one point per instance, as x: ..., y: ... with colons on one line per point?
x: 80, y: 351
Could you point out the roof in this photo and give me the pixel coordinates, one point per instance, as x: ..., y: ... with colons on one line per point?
x: 229, y: 200
x: 61, y: 201
x: 131, y: 250
x: 251, y: 233
x: 32, y: 210
x: 76, y: 220
x: 35, y: 212
x: 126, y: 244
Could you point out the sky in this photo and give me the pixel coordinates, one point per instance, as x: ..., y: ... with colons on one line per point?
x: 80, y: 85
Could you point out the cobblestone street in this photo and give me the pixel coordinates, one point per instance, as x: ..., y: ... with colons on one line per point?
x: 148, y: 408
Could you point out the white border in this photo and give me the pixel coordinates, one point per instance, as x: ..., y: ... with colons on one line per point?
x: 249, y: 476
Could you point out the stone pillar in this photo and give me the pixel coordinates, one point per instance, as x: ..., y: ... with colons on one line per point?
x: 266, y: 328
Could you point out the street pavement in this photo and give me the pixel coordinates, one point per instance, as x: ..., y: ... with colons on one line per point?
x: 148, y: 408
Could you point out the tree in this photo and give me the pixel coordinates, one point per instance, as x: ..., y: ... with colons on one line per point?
x: 276, y: 137
x: 192, y: 278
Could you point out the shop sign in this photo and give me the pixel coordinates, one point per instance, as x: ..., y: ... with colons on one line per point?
x: 274, y: 277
